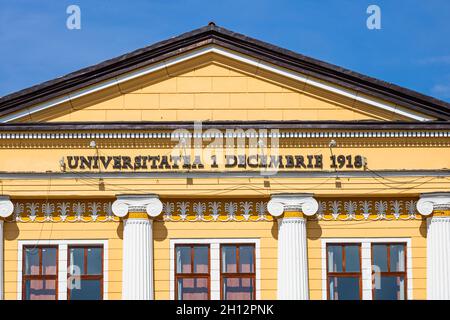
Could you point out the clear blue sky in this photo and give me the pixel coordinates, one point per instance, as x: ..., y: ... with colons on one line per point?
x: 412, y: 49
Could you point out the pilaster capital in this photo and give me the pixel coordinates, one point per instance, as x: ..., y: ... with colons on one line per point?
x: 301, y: 202
x: 6, y: 207
x: 429, y: 202
x: 146, y: 203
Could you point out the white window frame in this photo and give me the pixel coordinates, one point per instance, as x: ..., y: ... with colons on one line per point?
x: 214, y: 256
x: 62, y: 262
x: 366, y: 263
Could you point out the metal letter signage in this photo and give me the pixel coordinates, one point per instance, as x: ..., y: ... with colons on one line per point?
x: 167, y: 162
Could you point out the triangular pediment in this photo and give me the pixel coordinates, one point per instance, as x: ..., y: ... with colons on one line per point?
x: 213, y: 88
x: 209, y: 82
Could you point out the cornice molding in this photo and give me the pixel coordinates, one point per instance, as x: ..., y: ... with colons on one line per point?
x: 169, y: 135
x: 302, y: 202
x: 149, y: 204
x: 429, y: 202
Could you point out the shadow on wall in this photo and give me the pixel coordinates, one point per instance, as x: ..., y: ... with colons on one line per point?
x: 11, y: 231
x: 160, y: 232
x: 120, y: 230
x: 274, y: 229
x: 423, y: 227
x: 313, y: 230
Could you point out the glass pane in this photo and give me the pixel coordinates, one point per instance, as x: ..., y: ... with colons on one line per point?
x: 390, y: 288
x: 49, y: 261
x: 192, y: 289
x: 201, y: 259
x: 246, y: 263
x: 31, y: 261
x: 76, y: 261
x: 229, y: 259
x: 334, y: 253
x: 94, y: 263
x: 40, y: 289
x: 379, y: 259
x: 238, y: 288
x: 352, y: 261
x: 397, y: 257
x: 345, y: 288
x: 183, y: 259
x: 86, y: 290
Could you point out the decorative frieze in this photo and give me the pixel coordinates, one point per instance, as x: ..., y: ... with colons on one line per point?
x: 210, y: 210
x: 62, y: 211
x: 368, y: 209
x: 224, y: 211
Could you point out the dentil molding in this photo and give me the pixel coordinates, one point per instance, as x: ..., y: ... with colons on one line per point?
x: 148, y: 203
x: 429, y: 202
x: 303, y: 202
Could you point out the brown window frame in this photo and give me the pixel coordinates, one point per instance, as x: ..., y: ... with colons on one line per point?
x: 85, y: 260
x: 343, y: 274
x: 40, y: 276
x: 238, y: 274
x: 192, y: 274
x: 389, y: 273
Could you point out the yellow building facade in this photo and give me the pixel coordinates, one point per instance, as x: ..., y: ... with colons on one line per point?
x: 215, y: 166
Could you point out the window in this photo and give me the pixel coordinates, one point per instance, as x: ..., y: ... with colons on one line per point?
x: 344, y: 271
x: 389, y: 271
x: 40, y: 273
x: 237, y: 271
x: 85, y: 273
x: 192, y: 272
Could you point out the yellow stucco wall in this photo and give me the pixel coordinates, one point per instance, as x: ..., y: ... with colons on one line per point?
x: 266, y: 232
x: 217, y: 88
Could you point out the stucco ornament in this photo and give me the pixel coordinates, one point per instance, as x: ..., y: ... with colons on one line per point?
x: 137, y: 203
x: 429, y: 202
x: 292, y: 202
x: 6, y: 207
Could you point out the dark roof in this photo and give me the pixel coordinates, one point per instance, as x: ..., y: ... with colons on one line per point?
x: 223, y: 125
x: 212, y: 34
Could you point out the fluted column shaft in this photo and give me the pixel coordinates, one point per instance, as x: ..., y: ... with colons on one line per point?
x: 438, y: 262
x: 137, y: 277
x: 436, y: 206
x: 137, y: 212
x: 292, y: 259
x: 1, y: 259
x: 290, y: 211
x: 6, y: 209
